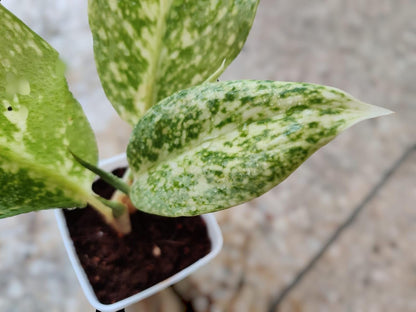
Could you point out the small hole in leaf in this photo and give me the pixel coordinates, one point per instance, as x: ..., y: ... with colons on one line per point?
x: 9, y: 108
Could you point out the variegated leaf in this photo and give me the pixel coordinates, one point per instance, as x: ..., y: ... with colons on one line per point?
x: 147, y: 50
x: 217, y: 145
x: 39, y: 121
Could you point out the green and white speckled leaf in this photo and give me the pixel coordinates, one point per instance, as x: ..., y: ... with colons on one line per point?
x: 39, y: 121
x: 217, y: 145
x: 147, y: 50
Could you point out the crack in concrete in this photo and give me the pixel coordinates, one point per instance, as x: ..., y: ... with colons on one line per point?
x: 274, y: 306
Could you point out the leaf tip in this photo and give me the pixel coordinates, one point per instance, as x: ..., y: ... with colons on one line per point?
x: 374, y: 111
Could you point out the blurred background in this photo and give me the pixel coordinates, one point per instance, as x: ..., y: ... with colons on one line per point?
x: 338, y: 235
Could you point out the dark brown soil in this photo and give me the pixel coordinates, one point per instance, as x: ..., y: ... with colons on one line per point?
x: 156, y: 248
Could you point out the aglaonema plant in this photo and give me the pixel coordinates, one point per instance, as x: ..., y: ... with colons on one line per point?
x: 197, y: 146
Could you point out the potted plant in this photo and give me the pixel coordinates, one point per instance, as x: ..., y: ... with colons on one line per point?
x: 198, y: 145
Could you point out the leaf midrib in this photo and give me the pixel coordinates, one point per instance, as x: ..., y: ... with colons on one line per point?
x: 151, y: 92
x: 212, y: 135
x: 49, y: 175
x: 365, y: 112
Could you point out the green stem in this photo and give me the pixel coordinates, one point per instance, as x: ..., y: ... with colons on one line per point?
x: 106, y: 176
x: 217, y: 73
x: 105, y: 211
x: 117, y: 208
x: 121, y: 223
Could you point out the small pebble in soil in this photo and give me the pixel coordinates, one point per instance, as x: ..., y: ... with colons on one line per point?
x: 156, y: 251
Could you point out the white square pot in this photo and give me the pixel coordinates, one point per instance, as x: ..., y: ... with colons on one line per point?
x: 214, y: 234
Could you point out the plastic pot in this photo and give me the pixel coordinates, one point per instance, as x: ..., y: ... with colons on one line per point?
x: 214, y: 234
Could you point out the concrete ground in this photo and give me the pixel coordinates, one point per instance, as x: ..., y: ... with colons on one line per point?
x: 337, y: 235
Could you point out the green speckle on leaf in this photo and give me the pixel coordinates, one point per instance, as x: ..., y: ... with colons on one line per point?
x: 237, y: 139
x: 148, y: 50
x: 39, y: 121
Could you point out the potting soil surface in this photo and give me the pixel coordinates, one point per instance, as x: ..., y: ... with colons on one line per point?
x: 118, y: 267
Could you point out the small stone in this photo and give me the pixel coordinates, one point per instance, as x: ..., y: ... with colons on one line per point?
x: 156, y: 251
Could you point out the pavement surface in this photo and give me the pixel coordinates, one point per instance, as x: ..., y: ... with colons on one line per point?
x: 337, y: 235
